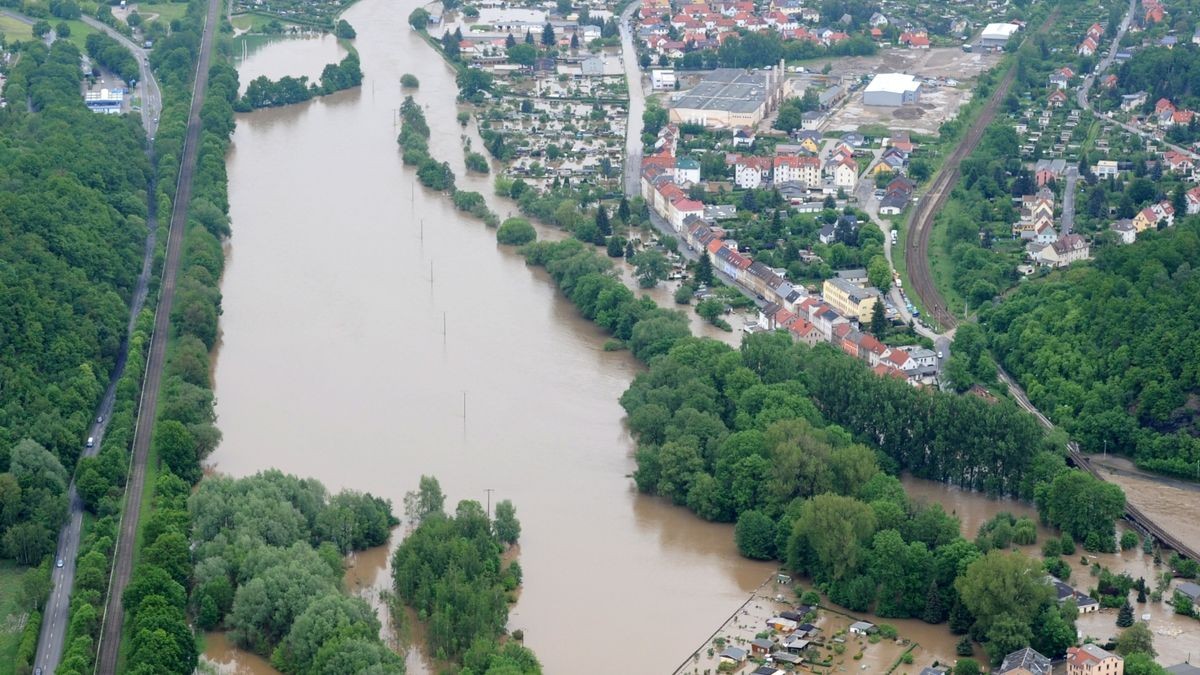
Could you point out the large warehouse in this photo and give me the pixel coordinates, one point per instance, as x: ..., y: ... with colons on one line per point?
x: 996, y: 35
x: 892, y: 89
x: 730, y: 97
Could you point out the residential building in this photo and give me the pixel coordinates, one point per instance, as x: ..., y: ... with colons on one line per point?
x: 751, y: 172
x: 1066, y: 250
x: 1106, y: 168
x: 1125, y: 230
x: 1193, y: 201
x: 1092, y: 660
x: 1049, y: 169
x: 850, y: 299
x: 794, y: 168
x: 1025, y: 661
x: 844, y: 172
x: 1191, y: 590
x: 687, y: 170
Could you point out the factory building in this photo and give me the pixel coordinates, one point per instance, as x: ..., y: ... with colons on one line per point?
x: 996, y: 35
x: 892, y: 89
x: 730, y: 97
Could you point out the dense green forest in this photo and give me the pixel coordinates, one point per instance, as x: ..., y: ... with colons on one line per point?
x: 1109, y: 350
x: 72, y: 225
x: 451, y: 571
x: 1173, y: 74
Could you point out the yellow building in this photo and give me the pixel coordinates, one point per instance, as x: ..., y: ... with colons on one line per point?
x: 852, y: 301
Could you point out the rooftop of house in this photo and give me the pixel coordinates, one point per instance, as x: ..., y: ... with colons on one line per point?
x: 1028, y: 659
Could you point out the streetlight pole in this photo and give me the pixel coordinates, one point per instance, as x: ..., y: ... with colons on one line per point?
x: 489, y: 492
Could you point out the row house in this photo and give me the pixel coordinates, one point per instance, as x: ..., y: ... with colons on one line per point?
x: 795, y: 168
x: 843, y: 170
x: 750, y: 173
x: 1035, y: 211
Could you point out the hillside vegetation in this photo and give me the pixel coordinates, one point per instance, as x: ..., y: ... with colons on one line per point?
x: 1109, y: 350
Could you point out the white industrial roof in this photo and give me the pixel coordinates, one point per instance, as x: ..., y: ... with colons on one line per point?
x: 893, y: 82
x: 999, y: 31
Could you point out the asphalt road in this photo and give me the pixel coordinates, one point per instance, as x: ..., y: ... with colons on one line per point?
x: 55, y: 616
x: 114, y: 611
x: 637, y: 104
x: 1068, y: 212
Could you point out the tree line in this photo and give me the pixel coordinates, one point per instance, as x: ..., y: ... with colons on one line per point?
x: 112, y: 55
x: 1108, y: 350
x: 263, y: 92
x: 451, y: 571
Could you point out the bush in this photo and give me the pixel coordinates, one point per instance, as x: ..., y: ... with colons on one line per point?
x: 516, y: 232
x: 409, y: 81
x: 477, y: 163
x: 811, y: 598
x: 1129, y: 540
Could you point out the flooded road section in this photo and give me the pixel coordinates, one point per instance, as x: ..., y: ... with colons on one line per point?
x: 349, y: 341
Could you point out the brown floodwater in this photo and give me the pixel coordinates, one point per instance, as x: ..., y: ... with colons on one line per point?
x: 360, y: 310
x: 344, y: 357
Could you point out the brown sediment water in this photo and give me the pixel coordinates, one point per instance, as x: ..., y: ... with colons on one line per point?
x: 371, y: 334
x: 360, y: 309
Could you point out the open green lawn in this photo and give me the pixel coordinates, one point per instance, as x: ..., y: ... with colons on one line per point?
x: 79, y: 32
x: 15, y: 30
x: 254, y: 22
x: 12, y: 618
x: 166, y: 11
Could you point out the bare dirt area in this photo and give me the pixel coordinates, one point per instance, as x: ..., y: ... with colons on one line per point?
x: 949, y: 72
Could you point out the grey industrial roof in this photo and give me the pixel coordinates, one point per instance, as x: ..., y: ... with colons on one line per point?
x: 730, y: 89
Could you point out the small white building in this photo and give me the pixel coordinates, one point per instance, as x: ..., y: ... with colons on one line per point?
x: 662, y: 79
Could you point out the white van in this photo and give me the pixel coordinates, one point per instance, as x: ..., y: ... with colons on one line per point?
x: 91, y: 441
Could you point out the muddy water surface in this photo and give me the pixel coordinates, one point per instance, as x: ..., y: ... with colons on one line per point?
x: 344, y: 357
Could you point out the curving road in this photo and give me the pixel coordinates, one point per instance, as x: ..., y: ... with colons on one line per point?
x: 151, y: 96
x: 55, y: 616
x: 114, y: 610
x: 1090, y: 79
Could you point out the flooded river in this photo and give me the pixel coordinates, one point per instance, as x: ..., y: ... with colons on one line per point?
x: 372, y: 334
x: 334, y: 363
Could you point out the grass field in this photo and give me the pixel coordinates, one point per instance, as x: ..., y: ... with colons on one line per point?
x: 15, y: 30
x: 254, y: 23
x: 166, y: 11
x: 12, y: 618
x: 79, y: 32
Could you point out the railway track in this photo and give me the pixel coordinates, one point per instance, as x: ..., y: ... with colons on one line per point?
x: 114, y: 610
x: 1133, y: 514
x: 920, y: 223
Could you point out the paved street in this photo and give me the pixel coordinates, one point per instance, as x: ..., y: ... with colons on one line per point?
x: 637, y: 104
x: 1069, y: 191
